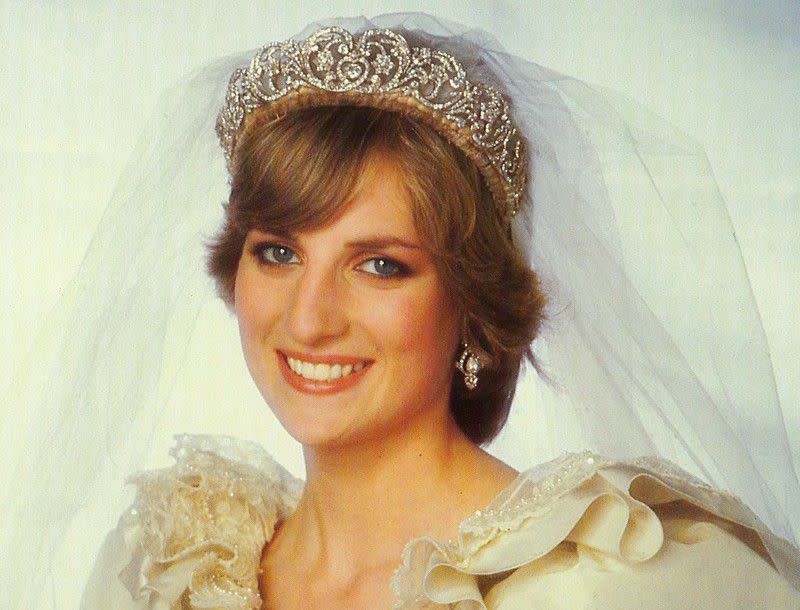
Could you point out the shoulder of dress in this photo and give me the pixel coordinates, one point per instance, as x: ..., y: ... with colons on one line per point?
x: 200, y: 525
x: 612, y: 507
x: 214, y: 463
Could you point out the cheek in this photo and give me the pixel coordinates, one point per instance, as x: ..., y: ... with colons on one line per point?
x: 253, y: 311
x: 417, y: 325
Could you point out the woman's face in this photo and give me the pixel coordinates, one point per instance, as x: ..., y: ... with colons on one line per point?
x: 358, y: 308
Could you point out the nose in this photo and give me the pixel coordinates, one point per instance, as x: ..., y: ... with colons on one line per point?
x: 316, y: 311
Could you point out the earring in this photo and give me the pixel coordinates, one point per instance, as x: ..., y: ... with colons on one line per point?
x: 470, y: 364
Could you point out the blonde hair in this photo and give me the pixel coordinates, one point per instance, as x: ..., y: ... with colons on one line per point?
x: 298, y: 171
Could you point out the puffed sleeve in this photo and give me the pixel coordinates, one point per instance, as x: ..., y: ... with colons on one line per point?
x: 194, y: 534
x: 587, y: 532
x: 700, y: 564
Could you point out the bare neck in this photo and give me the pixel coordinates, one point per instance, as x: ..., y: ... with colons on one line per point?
x: 363, y: 502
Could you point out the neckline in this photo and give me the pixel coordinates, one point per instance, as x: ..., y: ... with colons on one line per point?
x: 254, y: 455
x: 496, y: 502
x: 400, y: 562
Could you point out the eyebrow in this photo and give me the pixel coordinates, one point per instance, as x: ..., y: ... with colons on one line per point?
x: 371, y: 242
x: 380, y: 241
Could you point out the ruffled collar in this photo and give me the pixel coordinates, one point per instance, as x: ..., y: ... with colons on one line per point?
x: 414, y: 582
x: 602, y: 504
x: 204, y: 522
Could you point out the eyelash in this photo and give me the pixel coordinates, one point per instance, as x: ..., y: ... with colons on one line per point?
x: 259, y: 251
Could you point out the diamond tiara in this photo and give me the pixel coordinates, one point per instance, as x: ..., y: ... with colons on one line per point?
x: 380, y: 69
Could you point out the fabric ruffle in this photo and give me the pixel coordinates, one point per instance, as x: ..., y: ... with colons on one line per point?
x: 582, y: 503
x: 196, y: 531
x: 198, y: 528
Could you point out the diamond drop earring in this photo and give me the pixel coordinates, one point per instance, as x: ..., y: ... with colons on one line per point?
x: 470, y: 364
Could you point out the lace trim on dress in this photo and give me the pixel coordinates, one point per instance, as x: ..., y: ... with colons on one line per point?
x: 201, y: 525
x: 585, y: 498
x: 204, y: 522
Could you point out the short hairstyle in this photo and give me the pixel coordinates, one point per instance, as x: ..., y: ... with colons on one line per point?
x: 297, y: 172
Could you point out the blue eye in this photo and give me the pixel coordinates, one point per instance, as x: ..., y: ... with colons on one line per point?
x: 275, y: 254
x: 386, y: 267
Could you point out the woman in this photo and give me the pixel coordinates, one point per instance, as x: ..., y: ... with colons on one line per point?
x: 393, y: 464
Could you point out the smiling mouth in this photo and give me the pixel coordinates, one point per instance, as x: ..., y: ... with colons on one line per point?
x: 321, y: 377
x: 322, y: 371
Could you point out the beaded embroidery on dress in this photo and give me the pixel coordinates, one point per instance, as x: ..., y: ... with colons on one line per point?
x: 209, y: 517
x: 552, y: 501
x: 196, y: 530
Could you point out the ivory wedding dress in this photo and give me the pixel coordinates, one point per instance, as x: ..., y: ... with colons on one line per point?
x: 580, y: 531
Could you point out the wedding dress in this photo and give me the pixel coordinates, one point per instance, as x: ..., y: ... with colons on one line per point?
x: 580, y: 531
x: 651, y: 326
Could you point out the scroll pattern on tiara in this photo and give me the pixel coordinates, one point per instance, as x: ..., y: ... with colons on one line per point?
x: 381, y: 61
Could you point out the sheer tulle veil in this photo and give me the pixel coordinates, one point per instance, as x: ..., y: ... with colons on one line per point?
x: 651, y: 321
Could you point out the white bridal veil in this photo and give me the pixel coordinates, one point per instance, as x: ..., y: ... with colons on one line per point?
x: 651, y: 320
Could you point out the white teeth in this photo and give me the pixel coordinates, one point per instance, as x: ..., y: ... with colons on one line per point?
x: 323, y: 372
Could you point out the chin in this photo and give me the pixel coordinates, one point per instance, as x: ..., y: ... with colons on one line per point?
x: 314, y: 425
x: 314, y: 435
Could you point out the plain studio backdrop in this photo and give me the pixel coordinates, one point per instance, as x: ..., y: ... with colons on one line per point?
x: 79, y: 80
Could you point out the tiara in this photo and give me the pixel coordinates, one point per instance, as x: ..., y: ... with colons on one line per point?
x: 380, y: 69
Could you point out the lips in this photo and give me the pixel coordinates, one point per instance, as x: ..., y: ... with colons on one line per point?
x: 314, y: 386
